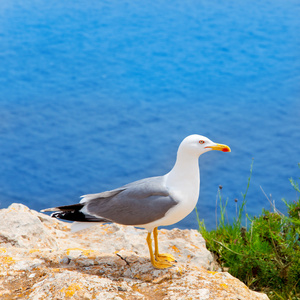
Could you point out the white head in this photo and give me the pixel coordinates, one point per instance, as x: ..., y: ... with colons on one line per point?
x: 198, y: 144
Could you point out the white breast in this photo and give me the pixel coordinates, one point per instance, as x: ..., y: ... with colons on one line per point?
x: 183, y: 183
x: 186, y: 193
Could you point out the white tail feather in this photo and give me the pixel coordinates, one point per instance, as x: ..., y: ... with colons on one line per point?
x: 76, y: 226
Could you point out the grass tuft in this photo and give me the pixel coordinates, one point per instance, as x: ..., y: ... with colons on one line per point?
x: 264, y: 255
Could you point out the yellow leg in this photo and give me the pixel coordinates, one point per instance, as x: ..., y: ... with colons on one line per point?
x: 161, y: 256
x: 156, y: 264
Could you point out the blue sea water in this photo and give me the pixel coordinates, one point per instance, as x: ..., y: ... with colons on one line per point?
x: 96, y: 94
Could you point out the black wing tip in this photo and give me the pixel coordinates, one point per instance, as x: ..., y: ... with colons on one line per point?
x: 56, y: 215
x: 77, y: 216
x: 70, y: 216
x: 72, y: 207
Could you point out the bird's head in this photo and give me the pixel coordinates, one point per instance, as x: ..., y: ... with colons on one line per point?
x: 199, y: 144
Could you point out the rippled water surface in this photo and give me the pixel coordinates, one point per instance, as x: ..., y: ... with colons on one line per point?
x: 95, y: 94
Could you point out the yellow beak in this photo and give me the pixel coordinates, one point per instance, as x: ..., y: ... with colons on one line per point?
x: 220, y: 147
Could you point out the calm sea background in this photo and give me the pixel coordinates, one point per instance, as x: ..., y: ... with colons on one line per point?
x: 96, y: 94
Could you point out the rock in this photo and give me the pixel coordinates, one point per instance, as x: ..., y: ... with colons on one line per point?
x: 41, y: 259
x: 25, y: 228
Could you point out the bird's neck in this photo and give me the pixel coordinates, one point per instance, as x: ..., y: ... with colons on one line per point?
x: 185, y: 173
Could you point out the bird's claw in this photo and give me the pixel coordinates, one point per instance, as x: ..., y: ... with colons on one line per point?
x: 161, y: 257
x: 161, y: 264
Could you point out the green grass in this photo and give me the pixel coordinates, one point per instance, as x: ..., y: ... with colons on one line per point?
x: 264, y: 251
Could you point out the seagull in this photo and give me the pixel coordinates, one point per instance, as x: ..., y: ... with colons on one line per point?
x: 147, y: 203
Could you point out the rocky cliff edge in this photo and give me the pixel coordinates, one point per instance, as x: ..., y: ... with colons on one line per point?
x: 41, y: 259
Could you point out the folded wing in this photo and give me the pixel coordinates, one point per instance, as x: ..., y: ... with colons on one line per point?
x: 137, y: 203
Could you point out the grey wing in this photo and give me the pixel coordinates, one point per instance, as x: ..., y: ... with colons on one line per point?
x: 137, y: 203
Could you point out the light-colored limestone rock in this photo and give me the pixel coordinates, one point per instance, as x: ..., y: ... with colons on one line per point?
x: 41, y: 259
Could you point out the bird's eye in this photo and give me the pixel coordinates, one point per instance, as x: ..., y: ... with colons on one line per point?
x: 201, y: 142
